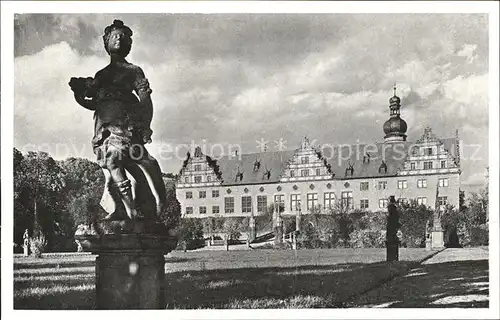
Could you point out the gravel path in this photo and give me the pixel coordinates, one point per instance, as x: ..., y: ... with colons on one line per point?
x: 452, y: 278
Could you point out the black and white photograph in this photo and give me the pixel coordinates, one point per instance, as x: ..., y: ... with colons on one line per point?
x: 309, y: 159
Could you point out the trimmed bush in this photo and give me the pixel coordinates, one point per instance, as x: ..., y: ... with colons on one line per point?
x: 38, y: 246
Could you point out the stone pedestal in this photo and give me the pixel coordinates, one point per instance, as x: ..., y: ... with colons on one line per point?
x: 298, y: 218
x: 26, y: 250
x: 437, y: 239
x: 252, y: 233
x: 278, y: 239
x: 392, y: 251
x: 428, y: 244
x: 130, y: 266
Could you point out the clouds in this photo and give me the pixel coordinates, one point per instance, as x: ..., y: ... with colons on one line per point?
x: 468, y: 52
x: 236, y: 78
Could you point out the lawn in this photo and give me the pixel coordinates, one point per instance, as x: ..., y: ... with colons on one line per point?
x: 222, y: 279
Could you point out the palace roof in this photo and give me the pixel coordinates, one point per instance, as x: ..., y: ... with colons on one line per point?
x: 366, y: 161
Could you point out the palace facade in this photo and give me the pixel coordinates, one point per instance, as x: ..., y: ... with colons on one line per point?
x: 311, y: 177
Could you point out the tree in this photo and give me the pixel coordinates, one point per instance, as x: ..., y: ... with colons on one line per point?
x: 84, y: 182
x: 232, y: 229
x: 413, y: 219
x: 189, y: 233
x: 171, y: 215
x: 39, y: 202
x: 471, y: 222
x: 343, y: 221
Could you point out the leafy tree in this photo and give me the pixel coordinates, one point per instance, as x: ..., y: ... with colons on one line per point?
x: 232, y: 229
x: 172, y: 214
x: 468, y: 226
x: 38, y: 196
x: 189, y: 233
x: 413, y: 219
x: 84, y: 186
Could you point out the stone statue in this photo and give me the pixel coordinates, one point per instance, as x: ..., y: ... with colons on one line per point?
x: 392, y: 222
x: 121, y: 130
x: 130, y: 235
x: 26, y: 243
x: 392, y: 239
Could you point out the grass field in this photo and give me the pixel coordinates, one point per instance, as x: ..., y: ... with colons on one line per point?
x: 222, y: 279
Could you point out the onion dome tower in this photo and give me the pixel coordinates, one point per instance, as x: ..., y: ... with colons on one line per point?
x: 395, y: 128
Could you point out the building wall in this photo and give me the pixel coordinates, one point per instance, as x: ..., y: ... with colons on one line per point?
x: 373, y: 194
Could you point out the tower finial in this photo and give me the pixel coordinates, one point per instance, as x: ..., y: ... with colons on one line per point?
x: 394, y: 89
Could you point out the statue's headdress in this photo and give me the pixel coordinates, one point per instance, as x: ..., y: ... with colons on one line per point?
x: 118, y: 24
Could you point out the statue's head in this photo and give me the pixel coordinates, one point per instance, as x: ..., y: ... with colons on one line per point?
x: 118, y: 38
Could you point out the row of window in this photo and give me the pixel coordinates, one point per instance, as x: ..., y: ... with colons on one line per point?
x: 363, y: 186
x: 197, y: 179
x: 305, y: 172
x: 428, y: 165
x: 422, y: 183
x: 312, y: 202
x: 202, y: 194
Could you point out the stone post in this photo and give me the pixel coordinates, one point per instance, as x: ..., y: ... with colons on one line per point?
x: 26, y: 248
x: 437, y: 234
x: 251, y: 226
x: 392, y: 240
x: 278, y: 230
x: 298, y: 218
x: 130, y: 263
x: 26, y: 243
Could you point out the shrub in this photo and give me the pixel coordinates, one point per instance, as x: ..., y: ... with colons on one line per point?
x: 189, y: 234
x: 367, y: 238
x: 479, y: 235
x: 413, y: 219
x: 37, y: 246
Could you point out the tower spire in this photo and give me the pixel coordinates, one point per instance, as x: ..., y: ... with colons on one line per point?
x: 395, y: 128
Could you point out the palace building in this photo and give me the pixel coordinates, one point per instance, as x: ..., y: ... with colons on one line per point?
x: 312, y: 177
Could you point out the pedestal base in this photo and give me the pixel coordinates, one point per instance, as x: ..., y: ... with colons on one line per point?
x: 130, y: 267
x: 428, y: 244
x: 130, y: 281
x: 278, y: 239
x: 437, y: 237
x: 392, y: 252
x: 251, y: 236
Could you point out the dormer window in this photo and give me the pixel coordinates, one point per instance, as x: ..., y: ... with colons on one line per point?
x: 366, y: 158
x: 266, y: 175
x: 304, y: 160
x: 239, y: 176
x: 382, y: 168
x: 428, y: 151
x: 349, y: 170
x: 256, y: 165
x: 197, y: 167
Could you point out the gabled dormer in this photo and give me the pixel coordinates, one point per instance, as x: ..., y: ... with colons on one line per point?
x: 430, y: 155
x: 307, y: 163
x: 199, y: 170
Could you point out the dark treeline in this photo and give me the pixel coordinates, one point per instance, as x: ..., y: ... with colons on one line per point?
x: 51, y: 198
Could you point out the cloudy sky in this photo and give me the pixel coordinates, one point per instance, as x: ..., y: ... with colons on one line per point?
x: 239, y: 78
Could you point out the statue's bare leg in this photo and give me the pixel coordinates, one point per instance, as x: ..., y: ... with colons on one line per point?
x: 153, y: 171
x: 114, y: 163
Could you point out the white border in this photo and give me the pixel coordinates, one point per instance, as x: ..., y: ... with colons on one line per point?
x: 9, y: 8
